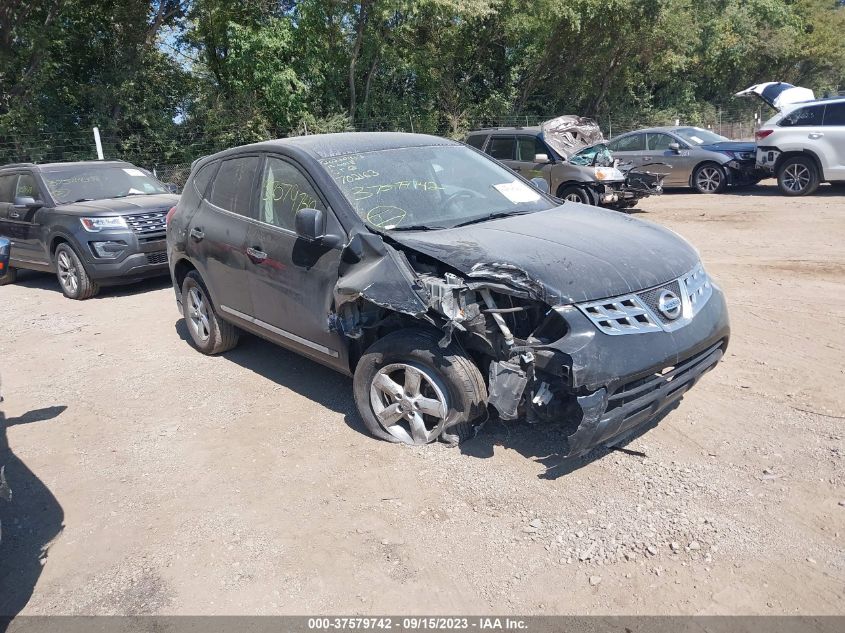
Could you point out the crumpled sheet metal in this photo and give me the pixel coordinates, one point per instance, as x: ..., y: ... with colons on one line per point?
x: 569, y: 133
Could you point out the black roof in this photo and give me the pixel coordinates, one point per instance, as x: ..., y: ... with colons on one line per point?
x: 50, y: 166
x: 327, y: 145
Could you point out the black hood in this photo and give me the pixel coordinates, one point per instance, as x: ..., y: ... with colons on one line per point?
x: 122, y: 206
x: 573, y: 252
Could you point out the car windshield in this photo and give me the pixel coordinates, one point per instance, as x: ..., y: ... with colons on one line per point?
x: 596, y: 155
x: 98, y: 182
x: 699, y: 136
x: 430, y: 187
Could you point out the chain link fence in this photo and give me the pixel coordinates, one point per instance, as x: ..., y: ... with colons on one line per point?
x: 738, y: 121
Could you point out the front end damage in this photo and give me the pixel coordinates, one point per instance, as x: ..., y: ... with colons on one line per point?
x: 602, y: 368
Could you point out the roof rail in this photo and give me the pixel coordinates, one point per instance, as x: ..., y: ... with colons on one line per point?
x: 17, y: 165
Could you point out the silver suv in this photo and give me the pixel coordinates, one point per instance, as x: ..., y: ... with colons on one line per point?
x: 804, y: 143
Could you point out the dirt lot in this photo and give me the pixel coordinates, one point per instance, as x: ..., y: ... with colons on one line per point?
x: 180, y: 484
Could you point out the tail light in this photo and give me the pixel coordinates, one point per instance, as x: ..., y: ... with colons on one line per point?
x: 761, y: 134
x: 169, y: 215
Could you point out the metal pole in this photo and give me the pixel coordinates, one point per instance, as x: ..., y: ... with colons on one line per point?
x: 97, y: 143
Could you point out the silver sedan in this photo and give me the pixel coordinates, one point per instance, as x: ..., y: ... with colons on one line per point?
x: 690, y: 157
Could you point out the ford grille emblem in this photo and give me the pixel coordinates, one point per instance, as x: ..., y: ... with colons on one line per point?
x: 669, y: 305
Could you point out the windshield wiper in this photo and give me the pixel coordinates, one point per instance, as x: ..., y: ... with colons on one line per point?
x: 80, y: 200
x: 126, y: 195
x: 491, y: 216
x: 416, y: 227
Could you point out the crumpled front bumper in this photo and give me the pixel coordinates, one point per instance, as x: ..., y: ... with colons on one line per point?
x: 621, y: 382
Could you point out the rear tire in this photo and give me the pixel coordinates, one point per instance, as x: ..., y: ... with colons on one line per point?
x: 10, y: 277
x: 209, y: 333
x: 73, y: 278
x: 709, y: 178
x: 798, y: 176
x: 410, y: 390
x: 573, y: 193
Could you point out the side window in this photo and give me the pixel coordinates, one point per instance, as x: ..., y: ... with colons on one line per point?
x: 284, y: 191
x: 810, y: 115
x: 633, y: 143
x: 660, y: 142
x: 203, y: 177
x: 232, y: 188
x: 834, y: 114
x: 502, y: 147
x: 477, y: 141
x: 526, y: 147
x: 26, y: 187
x: 7, y: 188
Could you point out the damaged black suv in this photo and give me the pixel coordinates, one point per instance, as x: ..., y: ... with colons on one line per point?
x: 445, y: 283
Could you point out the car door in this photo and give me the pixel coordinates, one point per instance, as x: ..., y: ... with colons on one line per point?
x: 217, y: 235
x: 833, y: 140
x: 527, y: 147
x: 680, y: 161
x: 805, y: 130
x: 292, y: 280
x: 630, y: 148
x: 22, y: 224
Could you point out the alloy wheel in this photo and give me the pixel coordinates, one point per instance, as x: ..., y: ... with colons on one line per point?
x: 796, y: 177
x: 572, y: 197
x: 709, y: 179
x: 198, y: 314
x: 409, y: 403
x: 68, y: 273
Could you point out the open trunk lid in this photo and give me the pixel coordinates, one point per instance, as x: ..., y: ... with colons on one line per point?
x: 778, y: 94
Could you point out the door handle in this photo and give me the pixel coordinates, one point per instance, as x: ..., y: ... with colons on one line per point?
x: 815, y: 135
x: 256, y: 255
x: 197, y: 234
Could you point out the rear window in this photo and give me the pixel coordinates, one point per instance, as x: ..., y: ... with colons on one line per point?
x: 633, y: 143
x: 477, y: 141
x: 810, y: 115
x: 203, y: 177
x: 232, y: 188
x: 834, y: 114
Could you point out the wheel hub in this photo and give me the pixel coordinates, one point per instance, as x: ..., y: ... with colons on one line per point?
x: 409, y: 403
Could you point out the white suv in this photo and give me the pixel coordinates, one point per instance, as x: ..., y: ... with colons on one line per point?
x: 804, y: 143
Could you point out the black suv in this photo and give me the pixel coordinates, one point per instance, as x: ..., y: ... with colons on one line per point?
x: 93, y: 223
x: 444, y: 283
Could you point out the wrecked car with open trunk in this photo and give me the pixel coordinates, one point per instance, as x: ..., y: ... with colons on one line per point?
x: 447, y: 286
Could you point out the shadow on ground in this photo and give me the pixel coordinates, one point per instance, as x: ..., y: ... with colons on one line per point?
x: 824, y: 190
x: 545, y: 443
x: 48, y: 281
x: 30, y: 520
x: 287, y: 369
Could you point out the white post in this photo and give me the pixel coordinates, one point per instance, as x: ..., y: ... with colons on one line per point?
x: 98, y: 144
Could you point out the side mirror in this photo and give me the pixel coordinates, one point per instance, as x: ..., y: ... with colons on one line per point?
x: 5, y: 252
x: 541, y: 158
x: 172, y: 187
x: 541, y: 183
x: 27, y: 202
x: 675, y: 147
x: 310, y: 224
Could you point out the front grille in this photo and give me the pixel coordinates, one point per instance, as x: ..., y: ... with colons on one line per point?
x: 640, y: 312
x: 146, y: 223
x: 157, y: 258
x: 666, y: 382
x: 652, y: 297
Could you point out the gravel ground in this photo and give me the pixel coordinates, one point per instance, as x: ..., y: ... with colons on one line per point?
x: 166, y: 482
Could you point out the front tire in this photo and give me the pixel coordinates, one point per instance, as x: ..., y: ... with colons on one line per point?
x: 798, y: 176
x: 10, y: 277
x: 73, y: 278
x: 573, y: 193
x: 409, y: 390
x: 210, y: 334
x: 709, y: 178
